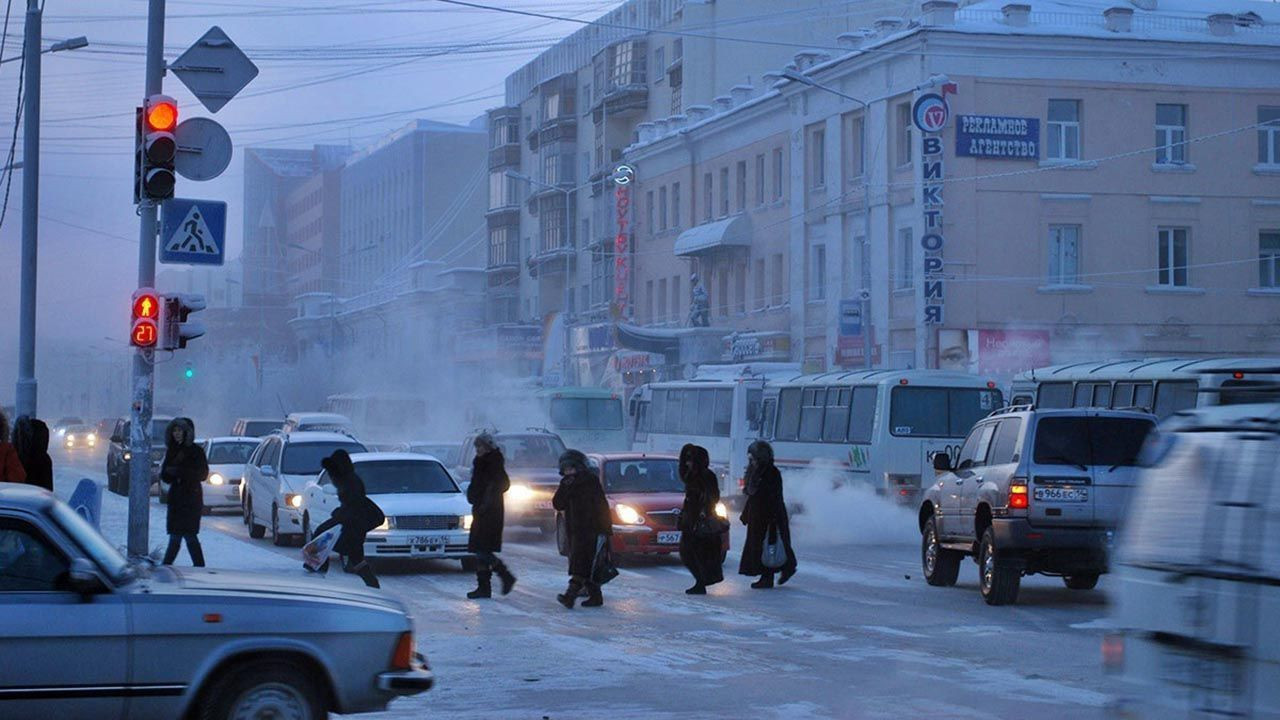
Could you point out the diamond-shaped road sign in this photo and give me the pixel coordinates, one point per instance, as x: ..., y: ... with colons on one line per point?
x: 214, y: 69
x: 193, y: 232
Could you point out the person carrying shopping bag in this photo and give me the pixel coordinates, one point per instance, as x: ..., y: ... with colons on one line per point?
x: 356, y: 513
x: 765, y: 515
x: 586, y: 518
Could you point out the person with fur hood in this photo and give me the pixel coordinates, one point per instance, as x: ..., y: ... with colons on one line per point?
x: 489, y: 482
x: 586, y: 518
x: 184, y: 470
x: 356, y: 513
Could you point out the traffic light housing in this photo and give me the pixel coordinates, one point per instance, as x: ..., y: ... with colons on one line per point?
x: 144, y: 331
x: 157, y: 149
x: 177, y: 329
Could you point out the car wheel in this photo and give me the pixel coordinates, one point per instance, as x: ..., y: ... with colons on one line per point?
x: 562, y: 536
x: 469, y: 564
x: 941, y: 566
x: 256, y: 531
x: 1081, y: 582
x: 276, y: 538
x: 268, y: 689
x: 998, y: 582
x: 244, y: 505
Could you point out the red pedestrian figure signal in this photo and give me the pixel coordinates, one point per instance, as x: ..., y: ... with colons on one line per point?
x: 145, y: 331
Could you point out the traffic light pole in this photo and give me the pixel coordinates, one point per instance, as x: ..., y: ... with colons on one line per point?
x: 25, y: 395
x: 143, y: 359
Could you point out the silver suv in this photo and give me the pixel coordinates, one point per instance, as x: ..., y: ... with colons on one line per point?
x: 1032, y: 491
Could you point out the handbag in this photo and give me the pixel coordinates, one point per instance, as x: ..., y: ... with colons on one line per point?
x: 710, y: 526
x: 774, y: 553
x: 602, y: 568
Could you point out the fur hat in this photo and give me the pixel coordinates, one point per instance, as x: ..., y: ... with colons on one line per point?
x: 339, y: 464
x: 574, y: 459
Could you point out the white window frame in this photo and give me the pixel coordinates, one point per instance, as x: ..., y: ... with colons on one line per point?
x: 1058, y: 257
x: 1166, y: 243
x: 1269, y: 260
x: 1170, y: 139
x: 1062, y: 129
x: 1269, y: 138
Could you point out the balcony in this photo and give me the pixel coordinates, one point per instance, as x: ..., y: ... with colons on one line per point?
x: 554, y: 245
x: 504, y: 258
x: 621, y: 101
x: 504, y: 156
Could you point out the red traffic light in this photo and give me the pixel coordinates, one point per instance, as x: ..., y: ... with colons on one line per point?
x: 145, y: 305
x: 143, y: 334
x: 161, y: 113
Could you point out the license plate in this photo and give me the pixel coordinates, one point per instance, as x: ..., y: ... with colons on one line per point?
x: 1056, y: 494
x: 428, y: 540
x: 669, y: 538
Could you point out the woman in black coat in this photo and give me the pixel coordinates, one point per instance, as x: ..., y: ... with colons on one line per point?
x: 764, y: 509
x: 489, y: 482
x: 184, y: 470
x: 700, y: 554
x: 356, y: 513
x: 31, y: 440
x: 586, y: 517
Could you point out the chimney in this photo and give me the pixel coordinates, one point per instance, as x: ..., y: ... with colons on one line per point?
x: 660, y: 128
x: 645, y: 131
x: 698, y: 113
x: 1016, y: 14
x: 887, y: 25
x: 1119, y: 19
x: 849, y: 40
x: 935, y: 13
x: 1222, y: 24
x: 741, y: 93
x: 771, y: 78
x: 723, y: 103
x: 806, y: 59
x: 678, y: 122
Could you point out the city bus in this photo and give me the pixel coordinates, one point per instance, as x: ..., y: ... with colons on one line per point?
x: 378, y: 417
x: 587, y: 419
x: 1160, y: 386
x: 718, y: 409
x: 880, y: 428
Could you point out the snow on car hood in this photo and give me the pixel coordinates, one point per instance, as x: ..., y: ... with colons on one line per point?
x: 422, y: 503
x: 197, y: 581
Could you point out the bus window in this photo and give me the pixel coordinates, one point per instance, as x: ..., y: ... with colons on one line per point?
x: 1143, y: 394
x: 642, y: 421
x: 1174, y: 396
x: 586, y: 413
x: 706, y: 412
x: 1054, y: 395
x: 768, y: 410
x: 754, y: 398
x: 1088, y: 395
x: 1102, y: 395
x: 657, y: 412
x: 939, y: 412
x: 1247, y: 392
x: 863, y: 417
x: 788, y: 414
x: 811, y: 414
x: 836, y: 425
x: 723, y: 416
x: 675, y: 407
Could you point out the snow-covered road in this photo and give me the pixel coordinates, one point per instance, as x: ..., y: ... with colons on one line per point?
x: 856, y: 634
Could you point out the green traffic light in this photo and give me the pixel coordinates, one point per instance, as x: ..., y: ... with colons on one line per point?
x: 190, y: 373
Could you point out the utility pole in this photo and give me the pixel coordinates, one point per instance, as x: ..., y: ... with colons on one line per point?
x: 25, y: 395
x: 143, y: 359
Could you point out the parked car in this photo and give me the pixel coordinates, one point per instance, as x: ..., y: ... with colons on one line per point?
x: 320, y: 421
x: 78, y: 439
x: 533, y: 464
x: 428, y: 516
x: 445, y: 452
x: 255, y: 427
x: 98, y: 637
x: 1197, y: 588
x: 60, y: 427
x: 1032, y: 491
x: 227, y: 457
x: 276, y: 474
x: 119, y: 456
x: 645, y: 496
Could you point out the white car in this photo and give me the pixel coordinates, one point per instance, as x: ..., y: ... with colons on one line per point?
x: 276, y: 474
x: 317, y: 421
x: 428, y: 516
x: 227, y: 457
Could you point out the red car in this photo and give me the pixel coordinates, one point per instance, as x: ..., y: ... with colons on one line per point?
x: 645, y: 495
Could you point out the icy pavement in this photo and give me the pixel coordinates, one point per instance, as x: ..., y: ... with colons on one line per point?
x: 857, y: 634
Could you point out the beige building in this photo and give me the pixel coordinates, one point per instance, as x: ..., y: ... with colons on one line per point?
x: 1105, y: 184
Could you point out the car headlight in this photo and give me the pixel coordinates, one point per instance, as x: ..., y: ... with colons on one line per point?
x: 388, y: 522
x: 722, y: 511
x: 628, y: 515
x: 520, y: 493
x: 216, y: 479
x: 92, y: 440
x: 71, y: 439
x: 293, y: 500
x: 466, y: 522
x: 127, y: 454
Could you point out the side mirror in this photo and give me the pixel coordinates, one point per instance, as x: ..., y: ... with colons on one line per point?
x: 84, y: 578
x: 942, y: 462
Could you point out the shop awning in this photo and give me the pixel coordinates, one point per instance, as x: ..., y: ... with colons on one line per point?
x: 732, y: 231
x: 662, y: 341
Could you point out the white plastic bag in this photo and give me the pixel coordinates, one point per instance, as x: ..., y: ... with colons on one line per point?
x: 316, y: 553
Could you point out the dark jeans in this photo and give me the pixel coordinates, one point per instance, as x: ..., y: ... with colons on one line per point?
x: 193, y: 547
x: 486, y: 561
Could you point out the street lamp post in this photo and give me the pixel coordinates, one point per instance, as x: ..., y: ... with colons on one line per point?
x: 795, y: 75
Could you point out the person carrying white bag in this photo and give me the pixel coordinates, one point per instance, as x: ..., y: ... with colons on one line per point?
x: 350, y: 522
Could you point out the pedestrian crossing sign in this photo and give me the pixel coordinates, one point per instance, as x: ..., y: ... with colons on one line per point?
x: 193, y: 232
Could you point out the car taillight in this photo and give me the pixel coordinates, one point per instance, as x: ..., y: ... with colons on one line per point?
x: 402, y: 658
x: 1018, y: 495
x: 1113, y: 652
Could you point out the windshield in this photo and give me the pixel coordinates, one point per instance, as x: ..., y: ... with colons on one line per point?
x: 531, y: 451
x: 939, y: 412
x: 304, y: 458
x: 386, y: 477
x: 1110, y: 441
x: 80, y: 429
x: 90, y: 541
x: 586, y: 413
x: 446, y: 454
x: 229, y: 453
x: 642, y: 476
x: 259, y: 428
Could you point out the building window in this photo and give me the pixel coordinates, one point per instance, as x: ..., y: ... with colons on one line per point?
x: 1171, y: 134
x: 502, y: 247
x: 742, y: 185
x: 706, y: 196
x: 903, y: 134
x: 759, y: 283
x: 662, y: 300
x: 675, y: 205
x: 585, y: 238
x: 662, y: 208
x: 817, y: 158
x: 553, y: 229
x: 659, y: 65
x: 677, y: 302
x: 505, y: 131
x: 1064, y: 130
x: 818, y: 272
x: 906, y: 261
x: 601, y: 274
x: 779, y: 281
x: 648, y: 300
x: 723, y: 300
x: 724, y: 192
x: 1269, y: 135
x: 649, y: 209
x: 777, y: 174
x: 760, y: 179
x: 853, y: 146
x: 502, y: 191
x: 1172, y: 255
x: 740, y: 289
x: 1269, y: 259
x: 1064, y: 254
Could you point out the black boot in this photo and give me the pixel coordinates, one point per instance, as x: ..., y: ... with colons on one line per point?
x: 365, y: 571
x: 764, y: 583
x: 570, y: 595
x: 697, y: 589
x: 484, y: 588
x: 508, y: 580
x: 787, y: 573
x: 594, y: 598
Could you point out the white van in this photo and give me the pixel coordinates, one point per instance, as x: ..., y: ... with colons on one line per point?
x: 318, y: 422
x: 1198, y: 595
